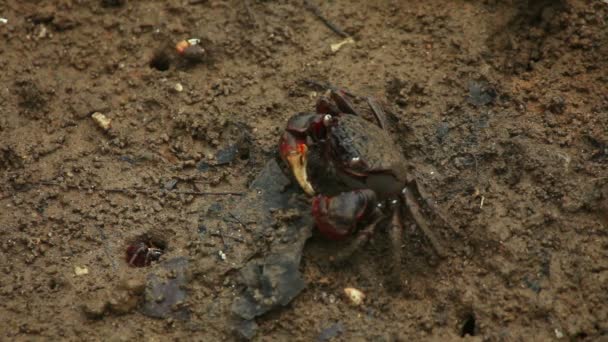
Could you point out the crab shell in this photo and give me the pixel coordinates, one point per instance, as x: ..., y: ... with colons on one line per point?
x: 358, y: 154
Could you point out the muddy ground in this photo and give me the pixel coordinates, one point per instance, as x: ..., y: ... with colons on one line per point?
x: 501, y: 108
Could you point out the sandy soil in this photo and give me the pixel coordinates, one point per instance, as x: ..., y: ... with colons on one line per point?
x: 501, y: 108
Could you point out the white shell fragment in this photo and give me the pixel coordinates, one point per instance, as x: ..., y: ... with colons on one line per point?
x: 193, y: 41
x: 101, y: 120
x: 337, y: 46
x: 355, y: 296
x: 80, y: 271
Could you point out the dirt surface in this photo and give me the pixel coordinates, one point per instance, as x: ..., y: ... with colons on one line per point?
x: 501, y: 108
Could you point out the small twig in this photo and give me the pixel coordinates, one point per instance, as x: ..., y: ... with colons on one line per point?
x: 106, y: 247
x: 146, y: 191
x: 238, y: 220
x: 317, y: 12
x: 222, y: 236
x: 250, y: 13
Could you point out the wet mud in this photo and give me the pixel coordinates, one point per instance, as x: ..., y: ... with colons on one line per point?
x: 500, y: 108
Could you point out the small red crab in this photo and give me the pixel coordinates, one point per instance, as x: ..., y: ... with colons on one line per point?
x: 356, y: 171
x: 141, y: 254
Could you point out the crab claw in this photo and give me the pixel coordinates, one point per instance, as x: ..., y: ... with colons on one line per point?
x: 294, y: 152
x: 337, y: 217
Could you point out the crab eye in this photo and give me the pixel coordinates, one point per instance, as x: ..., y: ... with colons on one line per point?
x: 327, y: 119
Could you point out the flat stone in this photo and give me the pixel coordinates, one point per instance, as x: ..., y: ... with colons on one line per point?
x: 165, y: 290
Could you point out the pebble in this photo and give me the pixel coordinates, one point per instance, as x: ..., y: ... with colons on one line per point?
x: 80, y: 271
x: 95, y: 309
x: 135, y: 285
x: 122, y: 302
x: 101, y: 120
x: 355, y: 296
x: 337, y: 46
x: 178, y: 87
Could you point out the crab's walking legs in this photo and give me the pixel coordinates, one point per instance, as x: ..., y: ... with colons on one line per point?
x: 362, y: 237
x: 139, y: 250
x: 414, y: 209
x: 396, y: 235
x: 434, y: 208
x: 378, y: 112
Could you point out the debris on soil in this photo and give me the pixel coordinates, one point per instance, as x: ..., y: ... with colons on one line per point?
x: 245, y: 329
x: 102, y: 121
x: 239, y: 146
x: 226, y: 155
x: 123, y: 299
x: 330, y: 332
x: 273, y: 280
x: 355, y: 296
x: 95, y: 309
x: 9, y: 159
x: 481, y: 93
x: 32, y: 98
x: 165, y: 292
x: 317, y: 12
x: 80, y: 271
x: 113, y: 3
x: 178, y: 87
x: 337, y: 46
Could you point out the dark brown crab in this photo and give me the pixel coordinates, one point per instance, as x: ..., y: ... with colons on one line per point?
x: 355, y: 171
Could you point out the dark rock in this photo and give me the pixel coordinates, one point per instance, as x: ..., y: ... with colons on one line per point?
x: 481, y: 93
x: 170, y: 184
x: 442, y: 131
x: 202, y: 230
x: 128, y: 159
x: 245, y: 328
x: 556, y: 104
x: 226, y: 155
x: 203, y: 166
x: 112, y: 3
x: 272, y: 280
x: 165, y: 290
x: 330, y: 332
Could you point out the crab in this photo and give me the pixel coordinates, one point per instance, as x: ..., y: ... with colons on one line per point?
x: 141, y: 254
x: 355, y: 173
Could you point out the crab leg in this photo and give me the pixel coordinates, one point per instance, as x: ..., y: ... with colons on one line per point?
x: 377, y: 110
x: 434, y: 208
x: 414, y: 210
x: 362, y: 237
x: 344, y: 104
x: 396, y: 234
x: 139, y: 250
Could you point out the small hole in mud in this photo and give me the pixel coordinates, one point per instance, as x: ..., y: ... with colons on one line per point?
x: 468, y: 327
x: 160, y: 61
x: 53, y: 284
x: 144, y: 250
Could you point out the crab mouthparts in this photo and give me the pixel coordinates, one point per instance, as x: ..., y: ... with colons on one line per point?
x: 297, y: 162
